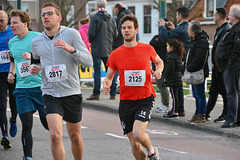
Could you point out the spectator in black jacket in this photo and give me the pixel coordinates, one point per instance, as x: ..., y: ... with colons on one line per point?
x: 120, y: 11
x: 160, y: 48
x: 217, y: 84
x: 228, y: 61
x: 101, y: 33
x: 172, y: 75
x: 196, y: 60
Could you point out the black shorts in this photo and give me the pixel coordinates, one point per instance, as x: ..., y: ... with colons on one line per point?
x: 70, y: 107
x: 131, y: 110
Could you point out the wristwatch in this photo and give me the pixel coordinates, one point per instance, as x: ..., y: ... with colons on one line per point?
x: 73, y: 51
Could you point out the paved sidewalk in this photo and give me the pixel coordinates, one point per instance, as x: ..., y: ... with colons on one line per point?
x: 112, y: 105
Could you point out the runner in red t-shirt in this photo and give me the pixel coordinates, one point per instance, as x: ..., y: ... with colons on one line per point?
x: 132, y: 61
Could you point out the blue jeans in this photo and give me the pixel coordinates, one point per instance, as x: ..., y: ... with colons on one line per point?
x: 231, y: 76
x: 97, y: 76
x: 198, y: 92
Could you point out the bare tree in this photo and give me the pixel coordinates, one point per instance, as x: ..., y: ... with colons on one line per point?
x: 171, y: 8
x: 66, y: 7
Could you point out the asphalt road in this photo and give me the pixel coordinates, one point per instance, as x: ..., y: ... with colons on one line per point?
x: 103, y: 140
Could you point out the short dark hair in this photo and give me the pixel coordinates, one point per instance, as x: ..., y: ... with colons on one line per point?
x: 24, y: 16
x: 119, y: 6
x: 51, y: 4
x: 222, y: 12
x: 130, y: 17
x: 184, y: 11
x: 196, y: 27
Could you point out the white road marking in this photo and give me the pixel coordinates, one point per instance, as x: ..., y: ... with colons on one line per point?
x: 163, y: 132
x: 162, y: 148
x: 116, y: 136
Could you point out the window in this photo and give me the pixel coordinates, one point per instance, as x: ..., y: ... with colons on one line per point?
x: 132, y: 9
x: 147, y: 19
x: 91, y: 8
x: 210, y: 7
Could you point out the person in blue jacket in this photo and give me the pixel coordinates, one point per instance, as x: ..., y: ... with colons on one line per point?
x: 181, y: 34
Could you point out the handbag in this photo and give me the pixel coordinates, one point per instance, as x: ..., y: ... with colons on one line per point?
x: 193, y: 78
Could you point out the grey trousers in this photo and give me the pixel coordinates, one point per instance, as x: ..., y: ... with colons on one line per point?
x: 163, y: 91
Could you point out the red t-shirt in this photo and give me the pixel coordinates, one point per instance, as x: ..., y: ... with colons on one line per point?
x: 133, y: 66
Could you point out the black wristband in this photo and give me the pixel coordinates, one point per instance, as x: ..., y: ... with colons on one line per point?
x: 12, y: 73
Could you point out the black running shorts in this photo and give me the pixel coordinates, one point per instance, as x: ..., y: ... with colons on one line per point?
x: 70, y: 107
x: 131, y: 110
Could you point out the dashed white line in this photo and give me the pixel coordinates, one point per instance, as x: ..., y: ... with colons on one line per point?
x: 116, y: 136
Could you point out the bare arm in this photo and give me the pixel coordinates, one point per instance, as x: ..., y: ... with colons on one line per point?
x: 159, y: 68
x: 11, y: 74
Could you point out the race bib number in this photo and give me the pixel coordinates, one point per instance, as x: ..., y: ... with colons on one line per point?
x: 135, y: 77
x: 4, y: 57
x: 56, y: 73
x: 23, y: 68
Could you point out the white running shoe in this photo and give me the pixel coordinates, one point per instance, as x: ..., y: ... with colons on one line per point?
x: 162, y: 108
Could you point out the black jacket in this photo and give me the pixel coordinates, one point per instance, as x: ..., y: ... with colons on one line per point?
x: 220, y: 31
x: 198, y: 50
x: 101, y: 33
x: 119, y: 40
x: 161, y: 50
x: 172, y: 75
x: 228, y: 49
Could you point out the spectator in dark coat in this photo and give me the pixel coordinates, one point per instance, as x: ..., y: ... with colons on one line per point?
x: 101, y: 33
x: 217, y: 84
x: 120, y: 11
x: 172, y: 75
x: 197, y: 59
x: 160, y: 48
x: 228, y: 61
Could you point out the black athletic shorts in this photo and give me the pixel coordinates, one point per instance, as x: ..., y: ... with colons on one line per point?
x: 70, y: 107
x: 131, y: 110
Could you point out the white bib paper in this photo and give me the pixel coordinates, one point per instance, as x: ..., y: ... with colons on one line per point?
x: 23, y: 68
x: 135, y: 77
x: 56, y: 73
x: 4, y: 57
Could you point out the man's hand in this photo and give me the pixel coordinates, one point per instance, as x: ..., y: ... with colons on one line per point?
x: 170, y: 25
x: 156, y: 74
x: 161, y: 22
x: 106, y: 86
x: 10, y: 78
x: 26, y: 55
x: 64, y: 45
x: 35, y: 69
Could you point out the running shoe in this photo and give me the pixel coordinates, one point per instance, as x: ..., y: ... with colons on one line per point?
x: 27, y: 158
x: 161, y: 108
x: 13, y: 128
x: 171, y: 116
x: 221, y: 118
x: 154, y: 156
x: 208, y: 118
x: 6, y: 143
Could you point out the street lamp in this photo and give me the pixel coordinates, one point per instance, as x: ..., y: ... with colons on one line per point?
x: 18, y: 4
x: 163, y: 8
